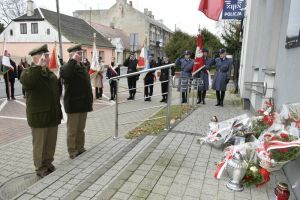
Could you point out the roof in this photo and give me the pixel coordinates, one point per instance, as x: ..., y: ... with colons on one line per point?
x: 37, y: 16
x: 110, y: 32
x: 74, y: 29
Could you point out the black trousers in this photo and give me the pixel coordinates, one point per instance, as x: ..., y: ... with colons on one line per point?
x: 131, y: 85
x: 113, y: 89
x: 220, y: 96
x: 148, y: 89
x: 164, y: 89
x: 11, y: 93
x: 98, y: 92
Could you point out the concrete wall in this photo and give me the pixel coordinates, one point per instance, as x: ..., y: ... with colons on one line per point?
x: 265, y: 59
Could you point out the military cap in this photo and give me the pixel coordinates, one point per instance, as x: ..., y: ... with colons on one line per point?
x: 74, y: 48
x: 205, y: 50
x: 187, y: 52
x: 132, y: 53
x: 40, y: 50
x: 222, y: 50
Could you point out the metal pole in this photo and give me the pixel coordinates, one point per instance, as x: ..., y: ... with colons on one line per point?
x: 193, y: 93
x: 117, y: 111
x: 169, y: 101
x: 59, y: 30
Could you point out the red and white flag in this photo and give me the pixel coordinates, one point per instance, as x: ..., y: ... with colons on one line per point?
x: 53, y: 63
x: 199, y: 62
x: 211, y: 8
x: 141, y: 60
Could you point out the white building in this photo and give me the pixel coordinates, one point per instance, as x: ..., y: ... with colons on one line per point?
x: 270, y: 66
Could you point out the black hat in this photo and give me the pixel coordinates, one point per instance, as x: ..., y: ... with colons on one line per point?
x: 132, y: 53
x: 187, y: 52
x: 74, y: 48
x: 205, y: 50
x: 222, y: 51
x: 40, y: 50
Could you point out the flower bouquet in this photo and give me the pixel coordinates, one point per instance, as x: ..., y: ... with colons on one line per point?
x: 264, y: 119
x: 290, y: 115
x: 256, y: 175
x: 277, y: 149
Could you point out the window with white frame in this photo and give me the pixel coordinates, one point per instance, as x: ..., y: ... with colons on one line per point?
x: 23, y: 28
x: 34, y: 28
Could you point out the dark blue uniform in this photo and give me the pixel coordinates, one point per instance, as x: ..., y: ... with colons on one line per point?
x: 131, y: 67
x: 148, y: 81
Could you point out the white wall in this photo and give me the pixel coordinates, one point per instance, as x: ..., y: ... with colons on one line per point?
x: 40, y: 37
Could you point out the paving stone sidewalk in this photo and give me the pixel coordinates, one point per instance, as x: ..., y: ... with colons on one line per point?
x: 169, y: 166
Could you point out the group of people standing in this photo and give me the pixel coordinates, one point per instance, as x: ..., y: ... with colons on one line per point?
x: 222, y: 74
x: 149, y: 78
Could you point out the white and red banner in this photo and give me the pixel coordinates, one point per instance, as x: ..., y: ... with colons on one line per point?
x: 199, y: 61
x: 211, y: 8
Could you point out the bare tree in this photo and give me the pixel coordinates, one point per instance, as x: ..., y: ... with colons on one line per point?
x: 11, y: 9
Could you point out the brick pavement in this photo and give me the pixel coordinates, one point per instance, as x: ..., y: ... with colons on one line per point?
x: 168, y: 166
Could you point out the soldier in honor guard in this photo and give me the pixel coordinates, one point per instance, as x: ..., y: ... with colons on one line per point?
x: 149, y: 79
x: 164, y: 77
x: 43, y: 109
x: 186, y: 65
x: 203, y: 74
x: 222, y: 76
x: 131, y: 64
x: 78, y: 100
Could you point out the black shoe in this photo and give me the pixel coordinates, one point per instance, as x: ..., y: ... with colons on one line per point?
x: 198, y: 102
x: 13, y: 98
x: 51, y: 168
x: 218, y: 104
x: 203, y: 102
x: 111, y: 99
x: 129, y: 98
x: 163, y: 100
x: 221, y: 104
x: 42, y: 174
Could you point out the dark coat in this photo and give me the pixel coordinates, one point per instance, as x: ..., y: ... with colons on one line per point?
x: 131, y: 66
x: 78, y: 90
x: 150, y: 76
x: 186, y: 66
x: 222, y: 74
x: 110, y: 73
x: 203, y: 74
x: 43, y: 107
x: 164, y: 73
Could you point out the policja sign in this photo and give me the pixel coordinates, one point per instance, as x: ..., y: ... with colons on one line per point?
x: 234, y: 9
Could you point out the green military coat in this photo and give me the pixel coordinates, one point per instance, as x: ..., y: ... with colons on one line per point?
x: 43, y: 107
x: 78, y: 90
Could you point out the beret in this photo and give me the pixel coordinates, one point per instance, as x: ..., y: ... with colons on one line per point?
x: 74, y: 48
x: 205, y: 50
x: 40, y: 50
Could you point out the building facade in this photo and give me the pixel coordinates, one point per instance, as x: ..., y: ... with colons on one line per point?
x: 140, y: 26
x: 40, y: 27
x: 269, y: 67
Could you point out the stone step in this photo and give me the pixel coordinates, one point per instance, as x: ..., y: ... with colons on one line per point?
x: 103, y: 162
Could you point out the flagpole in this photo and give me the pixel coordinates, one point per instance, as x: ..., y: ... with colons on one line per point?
x: 59, y: 30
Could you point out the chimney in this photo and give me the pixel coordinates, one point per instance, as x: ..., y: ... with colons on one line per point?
x: 130, y: 3
x: 149, y: 13
x: 146, y: 11
x: 30, y: 11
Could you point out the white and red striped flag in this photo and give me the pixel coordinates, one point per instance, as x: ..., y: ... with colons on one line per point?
x: 199, y: 61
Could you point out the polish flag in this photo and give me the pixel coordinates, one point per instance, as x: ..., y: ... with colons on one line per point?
x: 199, y: 62
x: 211, y: 8
x: 141, y: 60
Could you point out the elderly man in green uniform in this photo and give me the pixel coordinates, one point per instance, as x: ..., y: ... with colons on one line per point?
x: 78, y: 100
x: 43, y: 109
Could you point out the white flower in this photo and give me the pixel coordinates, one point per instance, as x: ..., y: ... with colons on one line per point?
x: 253, y: 169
